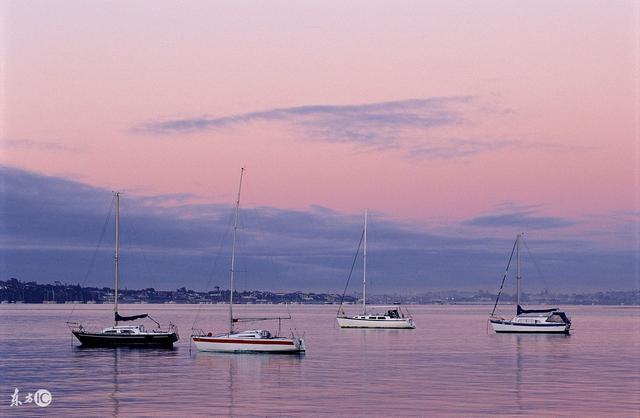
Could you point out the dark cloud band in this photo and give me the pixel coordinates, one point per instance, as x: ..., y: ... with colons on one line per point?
x: 50, y: 227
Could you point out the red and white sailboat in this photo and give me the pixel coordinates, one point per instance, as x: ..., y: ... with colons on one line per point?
x: 250, y: 341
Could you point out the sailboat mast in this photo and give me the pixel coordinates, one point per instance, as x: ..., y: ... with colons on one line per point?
x: 233, y: 254
x: 518, y: 269
x: 116, y: 257
x: 364, y: 271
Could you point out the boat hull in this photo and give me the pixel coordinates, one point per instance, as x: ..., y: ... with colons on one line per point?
x: 160, y: 339
x: 249, y: 345
x: 503, y: 326
x: 393, y: 323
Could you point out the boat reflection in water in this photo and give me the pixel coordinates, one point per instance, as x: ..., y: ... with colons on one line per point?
x: 238, y: 378
x: 119, y: 378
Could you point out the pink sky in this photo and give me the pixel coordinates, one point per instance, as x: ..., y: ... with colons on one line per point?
x: 556, y: 83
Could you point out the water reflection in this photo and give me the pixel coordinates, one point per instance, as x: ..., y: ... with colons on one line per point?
x: 121, y: 374
x: 114, y: 393
x: 518, y: 372
x: 256, y: 364
x: 239, y: 377
x: 537, y: 359
x: 448, y: 367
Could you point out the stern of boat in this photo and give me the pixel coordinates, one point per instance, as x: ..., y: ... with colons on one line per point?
x: 298, y: 342
x: 173, y: 328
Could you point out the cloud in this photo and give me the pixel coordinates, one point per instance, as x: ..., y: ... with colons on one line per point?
x: 38, y: 145
x: 455, y: 148
x: 357, y: 118
x: 525, y: 220
x: 434, y: 128
x: 415, y: 127
x: 51, y: 228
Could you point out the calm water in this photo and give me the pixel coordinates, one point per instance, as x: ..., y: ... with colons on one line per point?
x: 448, y: 365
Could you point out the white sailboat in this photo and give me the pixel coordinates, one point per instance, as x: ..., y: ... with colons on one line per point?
x: 387, y: 317
x: 124, y: 335
x: 250, y: 341
x: 547, y: 321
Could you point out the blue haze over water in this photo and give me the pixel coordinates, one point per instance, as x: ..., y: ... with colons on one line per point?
x: 450, y: 364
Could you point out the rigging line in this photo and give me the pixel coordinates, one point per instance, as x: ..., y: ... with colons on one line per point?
x: 535, y: 263
x: 214, y: 267
x: 500, y: 313
x: 95, y: 252
x: 270, y: 318
x: 247, y: 222
x: 133, y: 233
x: 243, y: 254
x: 407, y: 309
x: 504, y: 277
x: 250, y: 219
x: 355, y: 259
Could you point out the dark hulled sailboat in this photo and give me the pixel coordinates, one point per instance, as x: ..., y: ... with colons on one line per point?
x: 530, y: 321
x: 125, y: 335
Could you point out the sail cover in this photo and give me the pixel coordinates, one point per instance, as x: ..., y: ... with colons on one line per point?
x: 129, y: 318
x: 524, y: 311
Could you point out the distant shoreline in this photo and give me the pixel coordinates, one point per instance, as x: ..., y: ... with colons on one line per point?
x: 16, y: 291
x: 20, y: 303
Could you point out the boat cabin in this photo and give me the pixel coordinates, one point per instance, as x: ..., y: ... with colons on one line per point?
x: 124, y: 330
x: 371, y: 317
x: 390, y: 314
x: 394, y: 313
x: 254, y: 333
x: 554, y: 316
x: 559, y: 317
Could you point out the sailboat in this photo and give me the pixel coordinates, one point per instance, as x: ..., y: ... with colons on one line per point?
x: 548, y: 321
x: 392, y: 317
x: 250, y: 341
x: 125, y: 335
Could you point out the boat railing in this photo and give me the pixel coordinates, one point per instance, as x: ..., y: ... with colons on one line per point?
x: 77, y: 326
x: 198, y: 332
x: 173, y: 328
x: 295, y: 335
x: 74, y: 325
